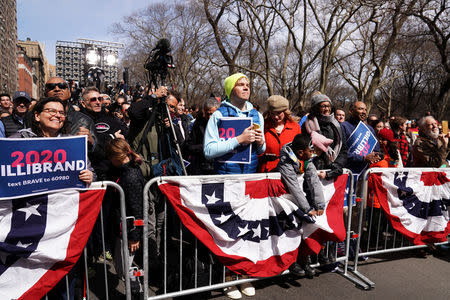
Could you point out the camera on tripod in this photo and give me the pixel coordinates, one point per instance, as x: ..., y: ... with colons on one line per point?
x: 159, y: 62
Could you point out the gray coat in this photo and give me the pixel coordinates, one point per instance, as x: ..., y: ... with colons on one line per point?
x: 289, y: 167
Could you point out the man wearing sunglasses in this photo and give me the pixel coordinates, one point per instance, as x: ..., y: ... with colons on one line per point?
x: 107, y: 126
x: 15, y: 121
x: 80, y: 124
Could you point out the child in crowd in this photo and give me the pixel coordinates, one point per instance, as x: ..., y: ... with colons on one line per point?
x: 390, y: 155
x: 295, y: 158
x: 129, y: 176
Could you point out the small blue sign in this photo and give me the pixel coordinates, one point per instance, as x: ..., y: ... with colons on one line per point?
x: 230, y: 128
x: 361, y: 141
x: 39, y: 165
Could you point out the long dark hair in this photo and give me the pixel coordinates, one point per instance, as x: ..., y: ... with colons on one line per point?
x: 120, y: 149
x: 392, y: 150
x: 38, y: 108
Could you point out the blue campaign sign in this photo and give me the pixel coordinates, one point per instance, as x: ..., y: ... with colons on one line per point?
x: 40, y: 165
x: 230, y: 128
x: 361, y: 141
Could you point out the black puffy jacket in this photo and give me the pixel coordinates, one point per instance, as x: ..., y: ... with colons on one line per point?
x: 77, y: 120
x: 12, y: 124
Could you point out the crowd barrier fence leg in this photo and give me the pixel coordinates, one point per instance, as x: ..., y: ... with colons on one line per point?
x: 362, y: 204
x: 124, y: 249
x: 349, y: 234
x: 105, y: 271
x: 145, y: 207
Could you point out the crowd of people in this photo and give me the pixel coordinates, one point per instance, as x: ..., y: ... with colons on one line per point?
x: 130, y: 133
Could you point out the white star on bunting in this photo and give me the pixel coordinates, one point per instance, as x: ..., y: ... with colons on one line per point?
x: 257, y: 231
x: 212, y: 198
x: 30, y: 210
x: 223, y: 218
x: 243, y: 231
x: 400, y: 175
x: 19, y: 244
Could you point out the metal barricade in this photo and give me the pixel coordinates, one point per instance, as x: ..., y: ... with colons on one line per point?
x: 124, y: 253
x: 212, y: 284
x: 375, y: 233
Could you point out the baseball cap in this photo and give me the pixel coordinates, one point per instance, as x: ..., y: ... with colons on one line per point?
x: 21, y: 94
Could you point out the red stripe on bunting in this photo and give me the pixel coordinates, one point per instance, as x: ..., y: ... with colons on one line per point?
x: 434, y: 178
x: 258, y: 189
x: 89, y: 207
x: 334, y: 212
x: 241, y: 265
x: 418, y: 239
x: 381, y: 192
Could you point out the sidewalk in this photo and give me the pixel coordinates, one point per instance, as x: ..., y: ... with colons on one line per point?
x: 396, y: 275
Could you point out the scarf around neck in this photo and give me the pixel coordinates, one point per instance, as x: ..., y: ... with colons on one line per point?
x: 313, y: 125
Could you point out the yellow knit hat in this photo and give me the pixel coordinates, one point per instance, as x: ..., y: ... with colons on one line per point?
x: 230, y: 82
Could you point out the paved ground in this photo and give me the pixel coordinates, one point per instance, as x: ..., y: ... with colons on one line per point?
x: 399, y: 276
x: 403, y: 276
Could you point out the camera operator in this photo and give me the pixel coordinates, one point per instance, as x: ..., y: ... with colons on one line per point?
x: 143, y: 113
x: 146, y: 132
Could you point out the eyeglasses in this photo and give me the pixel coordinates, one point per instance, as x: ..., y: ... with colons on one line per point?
x: 53, y: 112
x: 52, y: 86
x: 93, y: 99
x: 325, y: 106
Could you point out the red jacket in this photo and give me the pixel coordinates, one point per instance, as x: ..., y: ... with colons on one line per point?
x: 274, y: 142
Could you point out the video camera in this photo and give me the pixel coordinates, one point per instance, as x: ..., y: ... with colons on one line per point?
x: 95, y: 76
x: 159, y: 62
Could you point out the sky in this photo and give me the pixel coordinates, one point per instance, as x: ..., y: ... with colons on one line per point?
x: 49, y: 21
